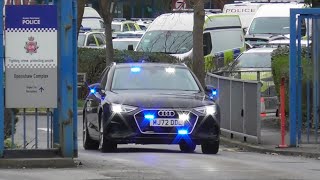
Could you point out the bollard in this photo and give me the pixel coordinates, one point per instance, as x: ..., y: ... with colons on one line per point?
x: 283, y: 113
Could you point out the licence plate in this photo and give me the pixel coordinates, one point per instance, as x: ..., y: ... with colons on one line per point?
x: 166, y: 122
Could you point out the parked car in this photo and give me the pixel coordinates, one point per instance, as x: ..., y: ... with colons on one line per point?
x: 92, y: 20
x: 91, y: 39
x: 255, y: 64
x: 150, y: 103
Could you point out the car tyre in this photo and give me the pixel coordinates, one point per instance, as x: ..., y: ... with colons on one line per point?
x: 210, y: 147
x: 88, y: 142
x: 187, y: 148
x: 106, y: 145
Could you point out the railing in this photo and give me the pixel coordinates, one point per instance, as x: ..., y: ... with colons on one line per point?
x: 239, y: 102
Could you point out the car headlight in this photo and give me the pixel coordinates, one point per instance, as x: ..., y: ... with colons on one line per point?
x: 208, y: 110
x: 119, y: 108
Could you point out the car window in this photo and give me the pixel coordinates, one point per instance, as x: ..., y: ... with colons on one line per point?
x: 154, y: 78
x: 267, y: 25
x: 253, y: 60
x: 99, y: 39
x: 104, y: 77
x: 125, y: 28
x: 207, y: 43
x: 102, y: 24
x: 143, y: 28
x: 81, y: 39
x: 131, y: 27
x: 170, y: 42
x: 123, y: 45
x: 116, y: 27
x: 91, y: 41
x: 227, y: 39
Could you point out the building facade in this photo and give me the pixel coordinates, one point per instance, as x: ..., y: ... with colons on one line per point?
x: 152, y: 8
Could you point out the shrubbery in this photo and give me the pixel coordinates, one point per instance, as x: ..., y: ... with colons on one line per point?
x: 92, y: 62
x: 8, y: 123
x: 280, y: 68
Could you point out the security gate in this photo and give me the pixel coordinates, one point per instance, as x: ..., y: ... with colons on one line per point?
x: 304, y: 76
x: 40, y: 95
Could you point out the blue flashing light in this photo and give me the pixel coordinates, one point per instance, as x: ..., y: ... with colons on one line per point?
x: 135, y: 69
x: 214, y: 92
x: 182, y: 132
x: 92, y: 91
x: 149, y: 116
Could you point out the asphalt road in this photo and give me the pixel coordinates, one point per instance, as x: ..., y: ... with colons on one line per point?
x: 167, y: 162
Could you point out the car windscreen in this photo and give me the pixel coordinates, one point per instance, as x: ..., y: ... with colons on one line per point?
x: 153, y: 78
x: 253, y: 60
x: 81, y: 39
x: 170, y: 42
x: 116, y: 27
x: 92, y: 23
x: 123, y: 45
x: 270, y: 25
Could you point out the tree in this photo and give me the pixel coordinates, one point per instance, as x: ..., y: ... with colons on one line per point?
x: 107, y: 9
x: 198, y: 56
x: 81, y: 6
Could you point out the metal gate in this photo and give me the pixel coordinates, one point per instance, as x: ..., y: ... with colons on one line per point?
x: 304, y: 76
x: 45, y: 132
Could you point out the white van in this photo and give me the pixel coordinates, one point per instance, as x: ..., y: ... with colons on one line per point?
x: 271, y: 20
x: 172, y: 34
x: 246, y: 11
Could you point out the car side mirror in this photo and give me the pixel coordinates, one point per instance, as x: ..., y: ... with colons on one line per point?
x: 245, y: 30
x: 130, y: 47
x: 96, y: 89
x: 212, y: 92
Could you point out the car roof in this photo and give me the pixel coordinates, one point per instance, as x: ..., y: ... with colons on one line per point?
x: 150, y: 64
x: 260, y: 50
x: 126, y: 39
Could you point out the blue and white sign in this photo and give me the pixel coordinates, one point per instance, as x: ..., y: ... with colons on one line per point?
x: 31, y: 56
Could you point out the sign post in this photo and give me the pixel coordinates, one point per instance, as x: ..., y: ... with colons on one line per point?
x: 31, y: 56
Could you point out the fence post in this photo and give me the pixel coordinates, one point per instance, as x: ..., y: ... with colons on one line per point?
x: 65, y: 107
x: 75, y: 78
x: 293, y: 78
x: 1, y: 85
x: 283, y: 113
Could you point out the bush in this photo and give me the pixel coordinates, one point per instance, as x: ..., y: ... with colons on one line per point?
x: 280, y: 68
x: 92, y: 62
x: 8, y: 122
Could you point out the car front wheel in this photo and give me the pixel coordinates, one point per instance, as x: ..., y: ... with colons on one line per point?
x: 105, y: 144
x: 210, y: 147
x: 88, y: 142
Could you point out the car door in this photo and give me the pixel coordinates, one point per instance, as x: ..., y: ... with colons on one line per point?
x: 93, y: 103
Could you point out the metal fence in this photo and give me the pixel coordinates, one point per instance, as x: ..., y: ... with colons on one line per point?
x: 268, y: 91
x: 304, y: 112
x: 239, y: 102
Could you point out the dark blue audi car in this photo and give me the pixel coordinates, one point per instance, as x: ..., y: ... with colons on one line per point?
x: 150, y: 103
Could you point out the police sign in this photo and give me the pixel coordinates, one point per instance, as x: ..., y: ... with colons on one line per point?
x: 31, y: 56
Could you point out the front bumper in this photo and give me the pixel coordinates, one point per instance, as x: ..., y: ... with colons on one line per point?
x: 131, y: 128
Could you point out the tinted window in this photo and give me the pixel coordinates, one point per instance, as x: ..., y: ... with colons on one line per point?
x: 272, y: 25
x: 154, y: 78
x: 171, y: 42
x: 253, y: 60
x: 207, y: 43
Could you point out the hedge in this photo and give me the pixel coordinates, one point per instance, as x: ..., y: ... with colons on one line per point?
x: 280, y: 68
x: 8, y: 123
x: 92, y: 62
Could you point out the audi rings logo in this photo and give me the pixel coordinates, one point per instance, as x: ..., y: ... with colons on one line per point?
x: 166, y: 113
